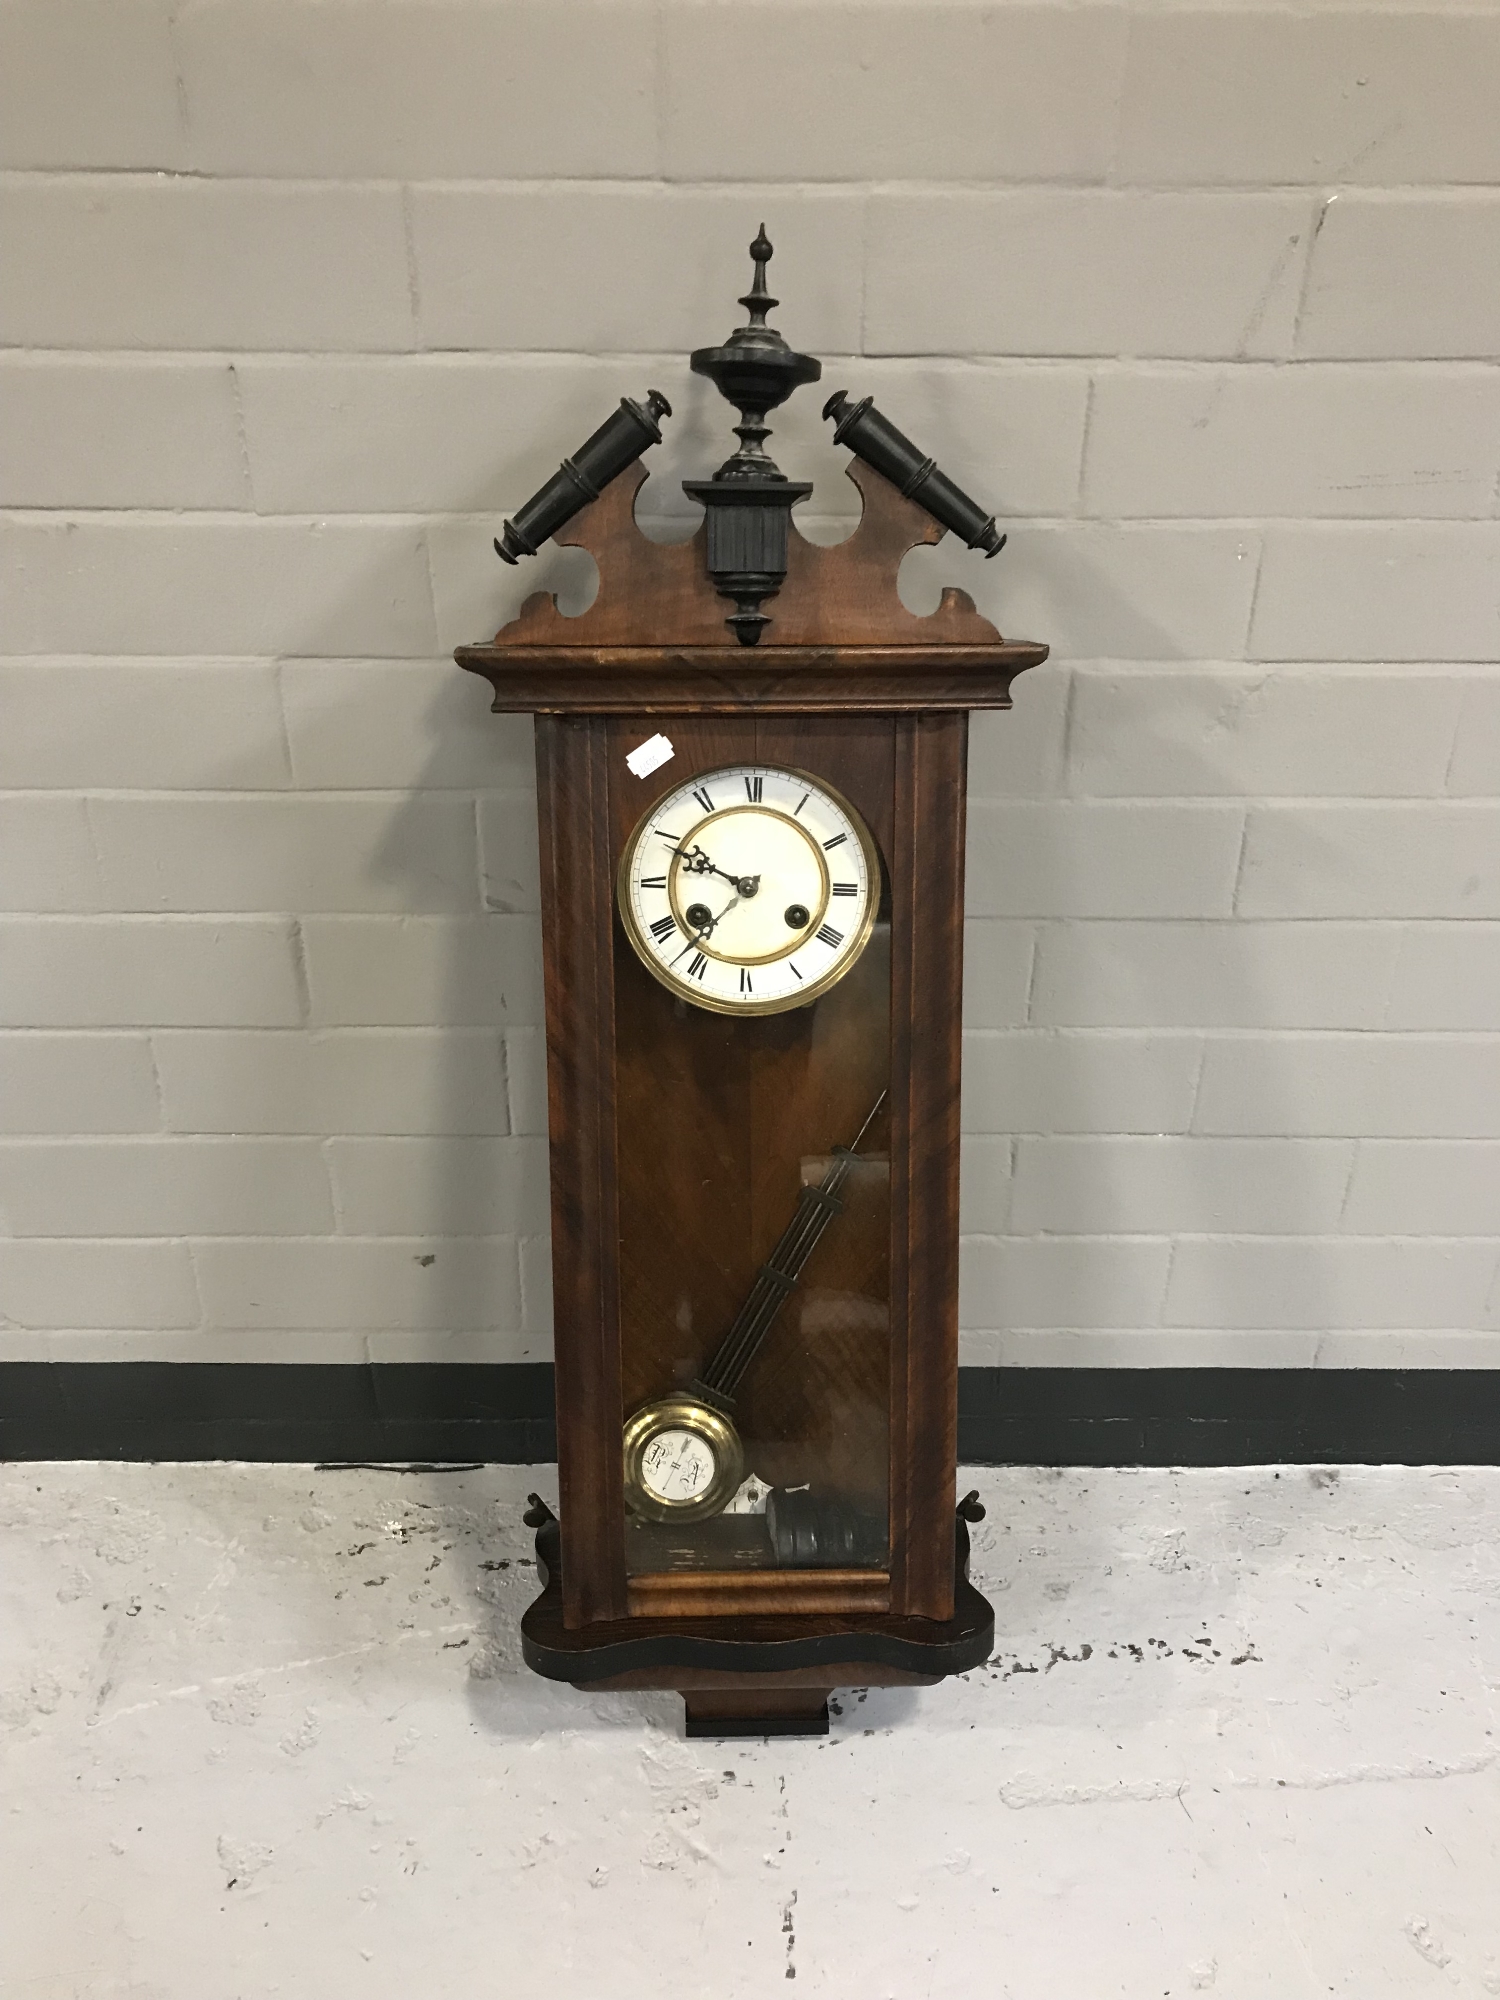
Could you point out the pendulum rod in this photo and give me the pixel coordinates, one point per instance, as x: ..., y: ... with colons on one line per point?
x: 776, y: 1278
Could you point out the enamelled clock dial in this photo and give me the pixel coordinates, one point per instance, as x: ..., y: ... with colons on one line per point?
x: 750, y: 889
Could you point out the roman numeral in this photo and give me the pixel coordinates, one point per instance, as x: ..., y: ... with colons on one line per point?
x: 800, y: 804
x: 828, y: 935
x: 653, y: 881
x: 793, y: 970
x: 745, y: 985
x: 701, y: 794
x: 752, y: 789
x: 846, y: 888
x: 672, y: 839
x: 837, y: 841
x: 698, y: 966
x: 663, y: 928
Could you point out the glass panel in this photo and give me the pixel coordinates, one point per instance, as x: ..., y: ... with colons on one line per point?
x: 754, y: 1185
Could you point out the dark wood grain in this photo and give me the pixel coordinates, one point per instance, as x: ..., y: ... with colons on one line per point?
x: 926, y: 1010
x: 706, y: 1594
x: 871, y: 1674
x: 757, y: 1649
x: 759, y: 1711
x: 649, y: 681
x: 577, y: 948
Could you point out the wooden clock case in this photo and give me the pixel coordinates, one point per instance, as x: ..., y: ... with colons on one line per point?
x: 848, y: 684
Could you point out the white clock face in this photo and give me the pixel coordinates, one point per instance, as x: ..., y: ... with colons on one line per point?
x: 677, y: 1466
x: 750, y: 889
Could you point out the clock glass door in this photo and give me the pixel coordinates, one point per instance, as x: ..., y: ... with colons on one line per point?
x: 752, y: 1163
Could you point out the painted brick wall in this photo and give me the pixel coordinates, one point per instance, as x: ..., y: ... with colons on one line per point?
x: 298, y: 296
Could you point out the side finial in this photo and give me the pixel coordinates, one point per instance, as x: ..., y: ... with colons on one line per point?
x: 618, y: 443
x: 877, y: 441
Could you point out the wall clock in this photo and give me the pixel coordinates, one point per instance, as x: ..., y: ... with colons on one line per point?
x: 751, y: 773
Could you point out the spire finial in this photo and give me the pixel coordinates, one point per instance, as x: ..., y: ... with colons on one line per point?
x: 749, y: 500
x: 758, y: 301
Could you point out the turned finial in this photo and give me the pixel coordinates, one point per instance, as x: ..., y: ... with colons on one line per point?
x: 758, y: 301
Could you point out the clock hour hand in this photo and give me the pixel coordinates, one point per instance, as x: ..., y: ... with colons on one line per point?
x: 696, y: 862
x: 706, y: 930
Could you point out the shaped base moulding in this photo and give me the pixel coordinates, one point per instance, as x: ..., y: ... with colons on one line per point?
x: 757, y: 1676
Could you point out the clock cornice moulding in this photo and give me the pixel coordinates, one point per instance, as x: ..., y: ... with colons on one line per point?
x: 844, y: 642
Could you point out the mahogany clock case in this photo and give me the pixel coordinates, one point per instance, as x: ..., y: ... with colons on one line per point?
x: 680, y: 1137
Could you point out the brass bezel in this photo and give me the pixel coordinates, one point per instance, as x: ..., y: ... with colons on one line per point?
x: 683, y: 1413
x: 712, y: 1004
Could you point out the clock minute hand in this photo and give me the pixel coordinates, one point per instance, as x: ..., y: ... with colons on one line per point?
x: 696, y: 862
x: 816, y: 1208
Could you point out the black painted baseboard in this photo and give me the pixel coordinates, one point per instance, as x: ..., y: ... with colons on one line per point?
x: 401, y: 1413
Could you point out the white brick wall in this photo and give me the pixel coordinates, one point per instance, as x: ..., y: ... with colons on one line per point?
x: 297, y: 297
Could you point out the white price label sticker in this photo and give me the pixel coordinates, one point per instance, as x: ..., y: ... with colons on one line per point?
x: 649, y: 756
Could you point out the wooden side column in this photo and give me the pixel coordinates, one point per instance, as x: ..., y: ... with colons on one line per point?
x: 577, y: 914
x: 927, y: 1031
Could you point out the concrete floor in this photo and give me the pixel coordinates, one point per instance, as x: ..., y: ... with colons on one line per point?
x: 266, y: 1732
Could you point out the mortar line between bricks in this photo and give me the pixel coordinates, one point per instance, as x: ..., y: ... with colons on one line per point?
x: 834, y: 188
x: 314, y: 1031
x: 1325, y: 201
x: 195, y: 1276
x: 413, y: 276
x: 284, y: 723
x: 481, y: 870
x: 1098, y: 664
x: 661, y: 87
x: 1033, y: 971
x: 204, y: 1236
x: 1493, y: 1288
x: 1051, y: 803
x: 1354, y: 1157
x: 483, y: 523
x: 1219, y: 924
x: 242, y: 436
x: 283, y: 794
x: 1254, y: 605
x: 1065, y: 746
x: 299, y: 971
x: 1239, y: 865
x: 424, y: 542
x: 163, y: 1123
x: 177, y: 1140
x: 1041, y: 1030
x: 1163, y: 1234
x: 1484, y: 1037
x: 864, y: 278
x: 1166, y: 1284
x: 1198, y: 1073
x: 165, y: 358
x: 1080, y: 493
